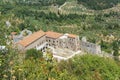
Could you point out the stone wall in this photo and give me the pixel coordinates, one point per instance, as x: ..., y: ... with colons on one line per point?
x: 52, y: 42
x: 69, y: 43
x: 90, y: 47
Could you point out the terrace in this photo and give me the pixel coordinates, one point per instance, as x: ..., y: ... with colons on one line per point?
x: 63, y: 54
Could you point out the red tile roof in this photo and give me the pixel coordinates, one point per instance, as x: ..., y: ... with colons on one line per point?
x: 31, y: 38
x: 54, y: 35
x: 72, y: 35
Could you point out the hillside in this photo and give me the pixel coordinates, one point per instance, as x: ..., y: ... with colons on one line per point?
x: 98, y: 20
x: 36, y: 67
x: 51, y: 16
x: 99, y: 4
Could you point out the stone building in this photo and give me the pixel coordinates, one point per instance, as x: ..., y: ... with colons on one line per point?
x: 53, y: 38
x: 17, y: 37
x: 42, y: 40
x: 69, y: 41
x: 36, y: 40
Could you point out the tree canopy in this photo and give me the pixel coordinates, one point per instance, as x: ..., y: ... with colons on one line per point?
x: 99, y: 4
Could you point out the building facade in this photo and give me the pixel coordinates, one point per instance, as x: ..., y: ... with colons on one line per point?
x: 42, y: 40
x: 69, y: 41
x: 36, y: 40
x: 90, y: 47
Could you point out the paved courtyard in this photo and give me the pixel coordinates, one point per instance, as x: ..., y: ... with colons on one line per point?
x: 63, y: 54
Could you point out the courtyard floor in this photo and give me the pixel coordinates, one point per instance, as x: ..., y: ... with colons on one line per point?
x: 63, y: 54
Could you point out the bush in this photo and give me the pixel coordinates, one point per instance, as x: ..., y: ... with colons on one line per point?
x: 91, y: 67
x: 33, y: 53
x: 99, y: 4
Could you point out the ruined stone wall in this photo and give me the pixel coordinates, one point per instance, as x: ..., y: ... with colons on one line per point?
x: 90, y: 47
x: 51, y: 41
x: 73, y: 44
x: 69, y: 43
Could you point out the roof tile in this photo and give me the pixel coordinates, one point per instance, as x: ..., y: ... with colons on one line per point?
x: 72, y: 36
x: 54, y: 35
x: 31, y: 38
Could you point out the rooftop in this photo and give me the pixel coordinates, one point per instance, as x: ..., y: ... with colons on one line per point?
x: 36, y: 35
x: 54, y: 35
x: 31, y: 38
x: 72, y: 35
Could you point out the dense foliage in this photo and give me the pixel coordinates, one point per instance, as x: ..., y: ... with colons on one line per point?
x: 91, y: 67
x: 33, y: 53
x: 36, y: 2
x: 80, y: 67
x: 99, y: 4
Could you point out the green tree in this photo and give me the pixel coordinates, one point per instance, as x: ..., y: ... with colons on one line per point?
x: 33, y: 53
x: 91, y: 67
x: 99, y: 4
x: 115, y: 48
